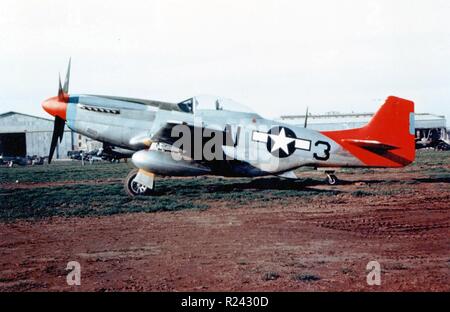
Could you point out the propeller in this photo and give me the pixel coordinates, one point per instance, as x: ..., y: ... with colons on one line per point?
x: 306, y: 117
x: 58, y: 131
x: 59, y: 123
x: 66, y: 82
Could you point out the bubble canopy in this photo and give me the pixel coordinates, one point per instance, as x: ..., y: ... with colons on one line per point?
x: 211, y: 102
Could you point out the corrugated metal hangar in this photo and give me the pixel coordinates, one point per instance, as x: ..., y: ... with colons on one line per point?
x: 338, y: 121
x: 26, y: 135
x: 429, y: 127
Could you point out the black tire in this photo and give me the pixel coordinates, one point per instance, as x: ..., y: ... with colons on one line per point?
x: 442, y: 146
x: 133, y: 188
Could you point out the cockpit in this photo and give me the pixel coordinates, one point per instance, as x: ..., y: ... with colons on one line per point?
x: 209, y: 102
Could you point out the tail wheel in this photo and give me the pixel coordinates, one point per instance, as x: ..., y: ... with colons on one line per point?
x: 332, y: 179
x: 134, y: 188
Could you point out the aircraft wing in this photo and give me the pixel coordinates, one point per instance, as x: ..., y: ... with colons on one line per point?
x: 164, y: 134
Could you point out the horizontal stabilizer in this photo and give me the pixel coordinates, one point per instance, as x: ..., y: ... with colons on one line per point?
x: 370, y: 144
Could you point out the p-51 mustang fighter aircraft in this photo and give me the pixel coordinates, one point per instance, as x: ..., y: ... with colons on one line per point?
x: 214, y: 136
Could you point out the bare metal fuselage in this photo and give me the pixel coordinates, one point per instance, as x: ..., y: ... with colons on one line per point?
x: 121, y: 122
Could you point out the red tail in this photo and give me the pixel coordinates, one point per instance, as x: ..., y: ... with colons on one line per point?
x: 387, y: 140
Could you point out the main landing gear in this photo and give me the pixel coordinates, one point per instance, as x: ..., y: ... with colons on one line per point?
x: 331, y: 178
x: 134, y: 188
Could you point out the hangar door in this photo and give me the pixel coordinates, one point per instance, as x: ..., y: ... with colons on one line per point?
x: 13, y: 144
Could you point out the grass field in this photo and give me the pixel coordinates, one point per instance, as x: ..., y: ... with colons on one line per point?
x: 69, y: 189
x: 220, y: 234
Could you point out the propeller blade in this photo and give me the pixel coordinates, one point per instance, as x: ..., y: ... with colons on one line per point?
x: 306, y: 117
x: 66, y: 82
x: 58, y: 132
x: 59, y: 124
x: 60, y: 90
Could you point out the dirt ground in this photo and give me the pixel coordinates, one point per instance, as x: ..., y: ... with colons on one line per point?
x: 400, y: 218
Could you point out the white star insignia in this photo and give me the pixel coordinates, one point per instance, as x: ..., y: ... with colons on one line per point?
x: 281, y: 141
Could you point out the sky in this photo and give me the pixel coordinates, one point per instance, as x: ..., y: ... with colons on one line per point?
x: 277, y: 57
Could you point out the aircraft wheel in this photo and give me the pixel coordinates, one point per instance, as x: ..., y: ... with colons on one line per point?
x: 442, y: 146
x: 332, y: 179
x: 134, y: 188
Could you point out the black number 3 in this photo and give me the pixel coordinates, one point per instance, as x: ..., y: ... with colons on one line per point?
x: 326, y: 151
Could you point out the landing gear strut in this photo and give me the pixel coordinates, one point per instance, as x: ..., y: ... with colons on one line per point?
x: 331, y: 178
x: 134, y: 188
